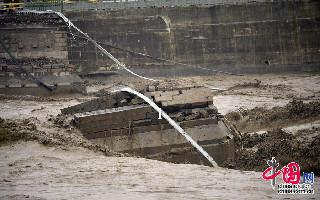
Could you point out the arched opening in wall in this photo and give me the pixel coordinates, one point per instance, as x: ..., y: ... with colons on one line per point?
x: 267, y: 62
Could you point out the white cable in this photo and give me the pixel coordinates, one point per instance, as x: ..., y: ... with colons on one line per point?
x: 151, y: 103
x: 99, y: 47
x: 172, y: 122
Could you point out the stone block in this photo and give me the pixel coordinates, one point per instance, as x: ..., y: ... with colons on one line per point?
x: 137, y: 110
x: 60, y: 32
x: 42, y: 36
x: 134, y: 117
x: 59, y: 48
x: 203, y: 91
x: 120, y: 125
x: 15, y: 86
x: 174, y: 103
x: 143, y: 129
x: 153, y: 115
x: 165, y: 126
x: 210, y: 100
x: 31, y: 85
x: 95, y: 117
x: 180, y: 118
x: 182, y: 97
x: 63, y: 84
x: 61, y: 40
x: 162, y: 121
x: 197, y: 122
x: 200, y: 102
x: 163, y: 96
x: 94, y: 135
x: 95, y: 123
x: 148, y: 94
x: 204, y: 113
x: 193, y: 116
x: 88, y: 129
x: 116, y: 114
x: 151, y: 88
x: 108, y: 122
x: 144, y: 122
x: 137, y: 100
x: 120, y: 132
x: 120, y: 95
x: 211, y: 109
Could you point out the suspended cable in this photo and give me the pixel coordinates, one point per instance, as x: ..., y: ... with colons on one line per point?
x: 99, y: 47
x: 156, y: 58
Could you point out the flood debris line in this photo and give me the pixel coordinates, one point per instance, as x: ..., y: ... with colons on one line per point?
x: 173, y: 123
x: 99, y: 47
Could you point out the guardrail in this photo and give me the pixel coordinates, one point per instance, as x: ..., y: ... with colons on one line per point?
x: 44, y: 6
x: 128, y: 4
x: 11, y: 6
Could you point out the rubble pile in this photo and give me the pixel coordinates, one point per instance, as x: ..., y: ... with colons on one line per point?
x: 259, y: 118
x: 302, y: 148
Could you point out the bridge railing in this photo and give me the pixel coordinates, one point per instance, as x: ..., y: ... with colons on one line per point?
x: 128, y: 4
x: 44, y: 6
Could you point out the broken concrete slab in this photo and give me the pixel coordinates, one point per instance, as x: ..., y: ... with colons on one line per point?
x: 15, y: 86
x: 31, y: 85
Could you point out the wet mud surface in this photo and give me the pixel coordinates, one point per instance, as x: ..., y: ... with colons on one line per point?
x: 255, y: 149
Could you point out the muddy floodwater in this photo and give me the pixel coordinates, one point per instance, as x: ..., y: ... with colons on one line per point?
x: 55, y: 161
x: 30, y: 170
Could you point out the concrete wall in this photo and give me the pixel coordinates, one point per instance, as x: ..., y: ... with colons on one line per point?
x: 268, y: 37
x: 170, y: 146
x: 37, y: 41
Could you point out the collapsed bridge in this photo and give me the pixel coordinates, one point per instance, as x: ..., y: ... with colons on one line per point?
x: 125, y: 123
